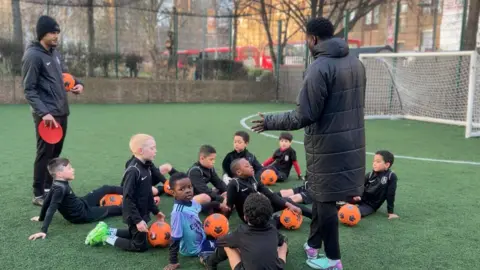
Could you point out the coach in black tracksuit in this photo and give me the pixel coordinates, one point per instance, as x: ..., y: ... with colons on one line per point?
x: 330, y: 106
x: 42, y: 70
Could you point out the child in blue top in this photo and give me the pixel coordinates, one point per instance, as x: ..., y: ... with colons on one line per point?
x: 188, y: 236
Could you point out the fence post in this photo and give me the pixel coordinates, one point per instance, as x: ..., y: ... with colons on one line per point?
x: 175, y: 41
x: 230, y: 43
x: 279, y: 59
x: 464, y: 23
x: 397, y: 27
x: 205, y: 30
x: 48, y: 7
x: 116, y: 40
x: 346, y: 20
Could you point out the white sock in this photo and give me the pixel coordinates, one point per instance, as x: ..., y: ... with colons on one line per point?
x: 111, y: 240
x: 332, y: 262
x: 112, y: 231
x: 307, y: 246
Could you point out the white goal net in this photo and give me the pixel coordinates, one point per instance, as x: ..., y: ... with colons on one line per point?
x: 433, y: 87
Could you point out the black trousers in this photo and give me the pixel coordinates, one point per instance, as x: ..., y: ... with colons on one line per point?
x: 281, y: 176
x: 324, y: 229
x: 131, y: 239
x: 95, y: 212
x: 46, y: 152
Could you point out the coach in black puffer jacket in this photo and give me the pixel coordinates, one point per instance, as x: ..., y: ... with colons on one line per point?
x: 330, y: 106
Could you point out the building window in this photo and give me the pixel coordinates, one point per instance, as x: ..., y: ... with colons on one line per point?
x: 427, y: 40
x: 376, y: 15
x: 403, y: 24
x: 373, y: 17
x: 404, y: 7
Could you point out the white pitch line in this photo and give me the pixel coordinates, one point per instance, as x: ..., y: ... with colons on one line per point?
x: 466, y: 162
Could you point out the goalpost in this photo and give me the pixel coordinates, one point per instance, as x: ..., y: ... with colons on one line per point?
x: 438, y: 87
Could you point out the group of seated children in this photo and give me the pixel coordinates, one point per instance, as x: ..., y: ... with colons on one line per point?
x: 238, y: 190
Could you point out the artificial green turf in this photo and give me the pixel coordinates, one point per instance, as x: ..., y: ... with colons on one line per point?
x: 436, y: 202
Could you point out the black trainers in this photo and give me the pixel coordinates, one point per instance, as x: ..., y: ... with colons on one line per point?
x: 204, y: 260
x: 38, y: 201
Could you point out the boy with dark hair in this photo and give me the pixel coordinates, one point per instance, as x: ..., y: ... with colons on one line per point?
x: 245, y: 184
x: 240, y: 143
x: 284, y: 158
x: 256, y: 245
x: 137, y: 201
x: 188, y: 236
x: 74, y: 209
x: 380, y: 186
x: 203, y: 172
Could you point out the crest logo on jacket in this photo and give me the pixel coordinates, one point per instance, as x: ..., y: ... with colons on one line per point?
x: 287, y: 157
x: 384, y: 180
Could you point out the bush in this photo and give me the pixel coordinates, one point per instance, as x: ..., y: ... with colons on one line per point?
x: 10, y: 56
x: 104, y: 60
x: 222, y: 69
x: 75, y: 56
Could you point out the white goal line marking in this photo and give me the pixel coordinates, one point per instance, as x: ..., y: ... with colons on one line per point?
x: 244, y: 125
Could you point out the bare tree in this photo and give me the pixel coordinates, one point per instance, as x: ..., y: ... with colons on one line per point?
x: 332, y: 10
x: 471, y: 30
x: 91, y: 37
x: 266, y: 10
x: 17, y: 34
x: 153, y: 12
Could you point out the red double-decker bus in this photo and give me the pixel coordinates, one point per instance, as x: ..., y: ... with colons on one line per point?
x: 294, y: 54
x: 248, y: 55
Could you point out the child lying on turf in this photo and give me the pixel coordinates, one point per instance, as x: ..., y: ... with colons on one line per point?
x: 245, y: 183
x: 380, y: 186
x: 201, y: 174
x: 283, y: 159
x: 137, y: 201
x: 256, y: 245
x: 188, y: 236
x: 240, y: 143
x: 76, y: 210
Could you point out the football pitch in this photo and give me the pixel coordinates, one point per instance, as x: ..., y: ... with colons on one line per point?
x: 437, y: 194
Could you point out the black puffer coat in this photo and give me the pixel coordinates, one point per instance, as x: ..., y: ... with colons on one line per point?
x: 330, y: 106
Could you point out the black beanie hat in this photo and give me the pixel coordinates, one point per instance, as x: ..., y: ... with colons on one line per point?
x: 46, y: 24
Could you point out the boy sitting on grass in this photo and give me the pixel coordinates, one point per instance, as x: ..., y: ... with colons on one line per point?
x: 256, y: 245
x: 245, y: 184
x: 74, y: 209
x: 188, y: 236
x: 380, y: 186
x: 201, y: 174
x: 240, y: 143
x: 137, y: 201
x: 284, y: 158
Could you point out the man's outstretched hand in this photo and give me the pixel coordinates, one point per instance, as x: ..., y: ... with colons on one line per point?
x: 259, y: 125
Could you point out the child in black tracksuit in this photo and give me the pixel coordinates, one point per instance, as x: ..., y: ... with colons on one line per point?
x: 283, y: 159
x: 240, y: 143
x: 138, y: 201
x: 245, y: 183
x: 157, y: 177
x: 74, y: 209
x: 256, y: 245
x: 201, y: 174
x: 380, y: 186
